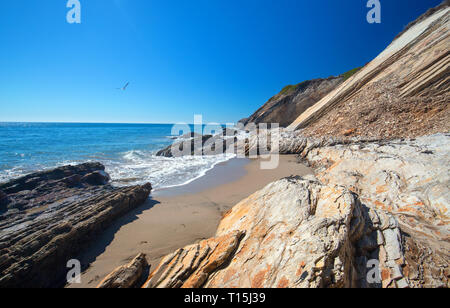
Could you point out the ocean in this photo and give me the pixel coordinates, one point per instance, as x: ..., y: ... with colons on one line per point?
x: 126, y: 150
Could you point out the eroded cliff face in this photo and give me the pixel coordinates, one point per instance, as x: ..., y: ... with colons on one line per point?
x: 292, y: 101
x: 404, y: 92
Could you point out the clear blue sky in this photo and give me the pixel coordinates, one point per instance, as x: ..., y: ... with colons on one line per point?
x: 219, y: 58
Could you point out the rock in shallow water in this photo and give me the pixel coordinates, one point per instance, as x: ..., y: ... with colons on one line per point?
x: 96, y: 178
x: 49, y: 222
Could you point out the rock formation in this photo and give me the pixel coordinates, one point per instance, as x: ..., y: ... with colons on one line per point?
x: 404, y: 92
x: 50, y: 216
x: 126, y: 276
x: 292, y: 101
x: 202, y: 144
x: 372, y: 203
x: 294, y: 233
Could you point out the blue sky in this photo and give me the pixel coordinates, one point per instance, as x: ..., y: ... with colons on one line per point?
x: 221, y: 59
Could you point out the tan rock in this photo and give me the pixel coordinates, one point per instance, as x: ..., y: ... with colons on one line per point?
x: 293, y: 233
x: 126, y: 276
x: 191, y: 266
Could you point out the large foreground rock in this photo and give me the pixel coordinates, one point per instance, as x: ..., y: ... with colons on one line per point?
x: 411, y: 180
x: 372, y: 202
x: 408, y: 178
x: 51, y: 216
x: 294, y: 233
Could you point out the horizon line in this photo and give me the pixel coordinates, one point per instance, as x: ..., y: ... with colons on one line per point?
x: 129, y: 123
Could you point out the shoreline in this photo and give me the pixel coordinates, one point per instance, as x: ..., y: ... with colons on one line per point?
x: 179, y: 216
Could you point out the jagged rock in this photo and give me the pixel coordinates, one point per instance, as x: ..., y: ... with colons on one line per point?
x: 207, y: 145
x: 293, y: 233
x: 96, y: 178
x: 33, y: 180
x: 372, y: 200
x: 191, y: 266
x: 49, y: 222
x: 126, y: 276
x: 408, y: 178
x: 167, y: 152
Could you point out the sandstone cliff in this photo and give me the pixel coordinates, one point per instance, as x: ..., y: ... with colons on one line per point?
x: 404, y: 92
x: 47, y: 218
x: 292, y: 101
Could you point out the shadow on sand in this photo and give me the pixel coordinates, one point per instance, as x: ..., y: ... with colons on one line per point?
x: 104, y: 239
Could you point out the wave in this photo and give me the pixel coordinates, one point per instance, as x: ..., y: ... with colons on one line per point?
x: 138, y: 167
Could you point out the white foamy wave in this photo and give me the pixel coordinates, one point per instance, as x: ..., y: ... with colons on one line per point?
x: 138, y: 167
x: 10, y: 174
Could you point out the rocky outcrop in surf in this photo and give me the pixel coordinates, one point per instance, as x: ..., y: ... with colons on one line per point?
x: 49, y: 217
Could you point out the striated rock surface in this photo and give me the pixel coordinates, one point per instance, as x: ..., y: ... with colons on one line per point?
x: 382, y: 203
x: 408, y: 178
x: 404, y: 92
x: 51, y: 216
x: 292, y: 101
x: 202, y: 144
x: 185, y: 146
x: 191, y: 266
x: 294, y: 233
x: 126, y: 276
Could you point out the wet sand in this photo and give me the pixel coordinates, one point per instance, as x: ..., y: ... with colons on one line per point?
x: 176, y: 217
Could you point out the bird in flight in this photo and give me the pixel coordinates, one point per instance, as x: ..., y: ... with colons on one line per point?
x: 124, y: 87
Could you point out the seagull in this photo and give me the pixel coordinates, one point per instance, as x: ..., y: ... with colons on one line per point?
x: 124, y: 87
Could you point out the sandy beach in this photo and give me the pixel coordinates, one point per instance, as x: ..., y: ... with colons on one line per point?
x: 176, y: 217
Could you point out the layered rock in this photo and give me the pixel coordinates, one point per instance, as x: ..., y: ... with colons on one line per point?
x: 408, y: 178
x: 126, y: 276
x: 292, y: 101
x: 191, y: 267
x: 373, y: 203
x: 294, y: 233
x: 202, y: 144
x: 404, y: 92
x: 51, y: 216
